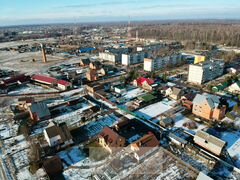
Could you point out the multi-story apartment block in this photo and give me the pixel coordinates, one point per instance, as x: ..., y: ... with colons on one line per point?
x: 134, y: 58
x: 113, y: 55
x: 161, y: 62
x: 207, y: 71
x: 108, y: 56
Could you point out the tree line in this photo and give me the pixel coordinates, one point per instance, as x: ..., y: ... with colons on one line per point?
x: 228, y: 34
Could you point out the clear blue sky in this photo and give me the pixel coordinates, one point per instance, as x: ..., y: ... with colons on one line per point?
x: 50, y: 11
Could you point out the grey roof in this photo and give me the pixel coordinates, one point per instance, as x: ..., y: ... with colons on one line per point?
x: 212, y: 100
x: 40, y: 109
x: 176, y: 91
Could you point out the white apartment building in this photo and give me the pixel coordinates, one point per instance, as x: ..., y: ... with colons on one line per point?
x: 207, y: 71
x: 161, y: 62
x: 108, y: 56
x: 133, y: 58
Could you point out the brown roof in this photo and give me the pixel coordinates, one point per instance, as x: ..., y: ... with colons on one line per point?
x: 53, y: 165
x: 62, y: 130
x: 145, y: 144
x: 52, y: 131
x: 110, y: 136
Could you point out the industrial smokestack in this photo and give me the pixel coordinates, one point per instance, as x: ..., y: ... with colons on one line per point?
x: 129, y: 28
x: 136, y: 35
x: 44, y: 53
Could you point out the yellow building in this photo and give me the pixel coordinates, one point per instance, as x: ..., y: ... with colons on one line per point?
x: 199, y: 58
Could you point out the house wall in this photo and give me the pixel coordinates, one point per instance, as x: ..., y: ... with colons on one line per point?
x: 202, y: 110
x: 219, y: 114
x: 195, y: 74
x: 108, y: 57
x: 46, y: 137
x: 148, y: 65
x: 63, y: 87
x: 102, y: 143
x: 54, y: 140
x: 125, y: 59
x: 146, y: 86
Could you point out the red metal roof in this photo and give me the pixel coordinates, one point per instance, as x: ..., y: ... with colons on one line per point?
x: 64, y: 83
x: 141, y: 80
x: 43, y: 78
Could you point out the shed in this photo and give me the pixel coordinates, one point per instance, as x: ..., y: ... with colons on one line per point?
x: 209, y: 142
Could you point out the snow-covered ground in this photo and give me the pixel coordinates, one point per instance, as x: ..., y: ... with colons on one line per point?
x: 156, y: 109
x: 8, y: 130
x: 134, y: 93
x: 30, y: 88
x: 24, y: 174
x: 233, y: 144
x: 72, y: 92
x: 181, y: 119
x: 79, y: 174
x: 73, y: 117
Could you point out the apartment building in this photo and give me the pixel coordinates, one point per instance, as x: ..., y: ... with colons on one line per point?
x: 108, y: 56
x: 134, y: 58
x: 113, y: 55
x: 207, y: 71
x: 160, y: 62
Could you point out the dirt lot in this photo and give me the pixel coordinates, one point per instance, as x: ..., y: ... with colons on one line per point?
x: 24, y: 61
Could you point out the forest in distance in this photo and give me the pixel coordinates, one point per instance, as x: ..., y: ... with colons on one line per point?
x: 225, y: 34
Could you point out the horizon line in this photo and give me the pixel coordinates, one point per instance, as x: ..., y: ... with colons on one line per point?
x: 121, y: 21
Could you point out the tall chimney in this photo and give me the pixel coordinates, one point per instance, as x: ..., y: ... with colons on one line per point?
x: 44, y: 53
x: 136, y: 35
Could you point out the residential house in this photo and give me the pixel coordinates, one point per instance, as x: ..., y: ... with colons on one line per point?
x: 234, y: 88
x: 176, y: 93
x: 53, y: 166
x: 93, y: 87
x: 208, y: 107
x: 166, y: 122
x: 120, y: 89
x: 25, y: 102
x: 110, y: 140
x: 92, y: 75
x: 145, y: 83
x: 39, y: 111
x: 84, y: 62
x: 95, y: 65
x: 57, y: 135
x: 14, y: 80
x: 144, y: 146
x: 107, y: 70
x: 187, y: 100
x: 64, y: 85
